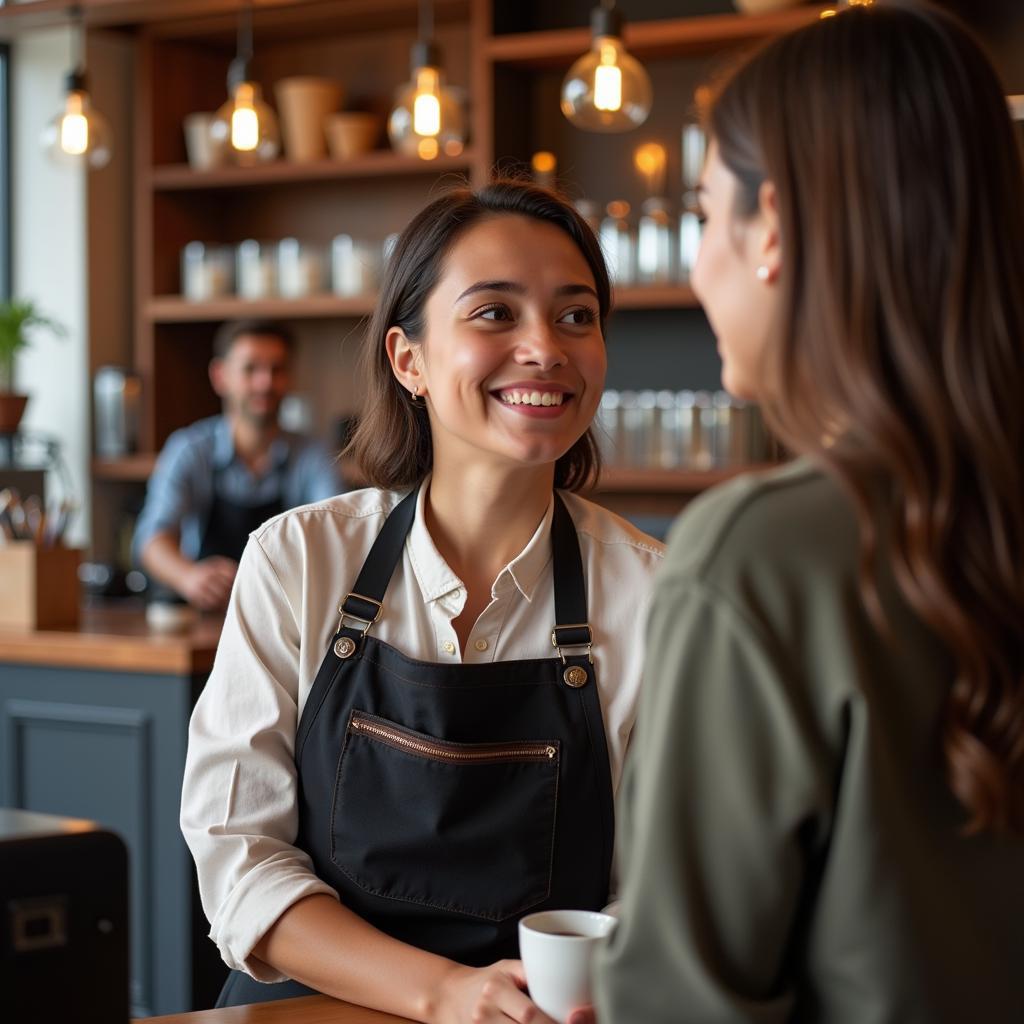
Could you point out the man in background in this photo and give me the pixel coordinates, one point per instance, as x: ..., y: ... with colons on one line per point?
x: 220, y: 478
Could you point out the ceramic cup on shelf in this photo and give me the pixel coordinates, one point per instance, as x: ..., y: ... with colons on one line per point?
x: 351, y: 133
x: 303, y: 103
x: 203, y: 150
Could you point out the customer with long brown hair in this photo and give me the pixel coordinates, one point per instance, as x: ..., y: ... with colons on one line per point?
x: 424, y: 689
x: 825, y: 818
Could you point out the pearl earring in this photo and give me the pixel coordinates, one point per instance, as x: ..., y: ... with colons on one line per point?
x: 764, y: 272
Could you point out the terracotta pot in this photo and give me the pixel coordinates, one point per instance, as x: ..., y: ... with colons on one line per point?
x: 304, y: 103
x: 12, y: 408
x: 351, y: 133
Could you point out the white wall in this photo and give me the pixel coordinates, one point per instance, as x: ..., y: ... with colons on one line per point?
x: 49, y: 259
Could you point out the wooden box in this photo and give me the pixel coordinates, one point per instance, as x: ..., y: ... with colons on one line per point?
x: 38, y: 586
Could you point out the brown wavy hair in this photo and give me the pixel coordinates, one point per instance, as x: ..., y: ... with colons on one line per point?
x: 392, y: 443
x: 900, y: 196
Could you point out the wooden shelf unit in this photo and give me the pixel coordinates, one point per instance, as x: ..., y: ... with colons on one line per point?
x: 173, y: 309
x: 171, y: 58
x: 650, y: 40
x: 380, y: 163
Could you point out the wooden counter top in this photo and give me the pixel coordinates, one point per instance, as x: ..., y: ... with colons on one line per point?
x: 307, y: 1010
x: 118, y: 639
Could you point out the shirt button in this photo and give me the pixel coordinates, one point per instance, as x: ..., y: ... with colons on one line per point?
x: 481, y: 645
x: 449, y: 646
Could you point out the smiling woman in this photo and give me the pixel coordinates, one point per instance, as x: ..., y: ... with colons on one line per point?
x: 392, y: 805
x: 534, y: 301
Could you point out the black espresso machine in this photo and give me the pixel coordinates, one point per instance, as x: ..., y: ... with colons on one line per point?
x: 63, y: 921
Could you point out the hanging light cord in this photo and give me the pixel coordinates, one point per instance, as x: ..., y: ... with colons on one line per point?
x: 245, y: 32
x: 77, y: 41
x: 426, y: 20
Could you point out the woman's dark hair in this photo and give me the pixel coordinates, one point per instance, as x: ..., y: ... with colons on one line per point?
x: 392, y: 443
x: 899, y: 191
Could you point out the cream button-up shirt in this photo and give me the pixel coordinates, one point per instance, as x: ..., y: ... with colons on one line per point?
x: 239, y: 813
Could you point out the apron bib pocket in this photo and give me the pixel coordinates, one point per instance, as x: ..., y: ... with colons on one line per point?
x: 422, y: 820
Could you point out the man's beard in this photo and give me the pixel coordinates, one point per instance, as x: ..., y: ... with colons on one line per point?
x: 262, y: 418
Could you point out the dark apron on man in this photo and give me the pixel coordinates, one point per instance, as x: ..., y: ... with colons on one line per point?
x: 229, y: 523
x: 444, y: 802
x: 224, y: 532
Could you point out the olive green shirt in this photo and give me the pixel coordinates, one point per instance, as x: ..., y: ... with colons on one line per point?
x: 789, y: 848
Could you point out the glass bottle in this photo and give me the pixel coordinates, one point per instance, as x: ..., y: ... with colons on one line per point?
x: 618, y: 243
x: 654, y: 243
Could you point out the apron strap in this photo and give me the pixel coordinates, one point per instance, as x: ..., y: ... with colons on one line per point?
x: 365, y: 601
x: 572, y: 629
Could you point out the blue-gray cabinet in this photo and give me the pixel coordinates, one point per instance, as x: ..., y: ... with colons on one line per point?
x: 109, y: 744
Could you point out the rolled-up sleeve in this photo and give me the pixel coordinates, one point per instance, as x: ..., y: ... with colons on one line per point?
x: 170, y: 494
x: 725, y: 807
x: 239, y: 813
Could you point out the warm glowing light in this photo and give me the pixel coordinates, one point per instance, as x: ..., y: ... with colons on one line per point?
x: 426, y: 105
x: 649, y: 160
x: 245, y: 124
x: 608, y: 81
x: 427, y: 149
x: 74, y: 127
x: 543, y: 162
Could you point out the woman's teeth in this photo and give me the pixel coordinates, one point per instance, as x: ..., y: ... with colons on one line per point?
x: 532, y: 397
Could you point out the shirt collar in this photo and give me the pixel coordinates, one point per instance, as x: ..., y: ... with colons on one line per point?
x: 224, y: 446
x: 223, y: 443
x: 435, y: 576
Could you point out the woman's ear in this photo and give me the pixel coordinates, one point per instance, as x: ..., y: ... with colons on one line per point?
x: 406, y: 360
x: 768, y: 249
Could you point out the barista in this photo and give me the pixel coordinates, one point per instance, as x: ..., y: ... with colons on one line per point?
x: 220, y: 478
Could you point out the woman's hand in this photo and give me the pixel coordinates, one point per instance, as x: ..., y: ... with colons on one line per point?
x: 480, y: 995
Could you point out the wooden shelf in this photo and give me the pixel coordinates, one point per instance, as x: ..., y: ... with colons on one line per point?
x: 172, y: 309
x: 672, y: 37
x: 625, y: 480
x: 131, y: 468
x: 381, y: 163
x: 655, y: 297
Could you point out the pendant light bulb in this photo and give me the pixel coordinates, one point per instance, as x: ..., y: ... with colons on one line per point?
x: 245, y: 126
x: 607, y: 89
x: 428, y: 118
x: 245, y: 122
x: 78, y: 135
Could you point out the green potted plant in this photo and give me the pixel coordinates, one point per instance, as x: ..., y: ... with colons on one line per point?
x: 17, y: 320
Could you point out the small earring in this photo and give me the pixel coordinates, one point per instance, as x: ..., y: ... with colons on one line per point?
x: 414, y: 395
x: 764, y: 272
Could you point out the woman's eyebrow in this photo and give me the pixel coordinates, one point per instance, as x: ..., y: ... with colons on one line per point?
x: 494, y: 286
x: 576, y: 289
x: 515, y: 288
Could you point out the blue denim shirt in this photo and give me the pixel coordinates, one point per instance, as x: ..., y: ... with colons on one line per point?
x: 180, y: 491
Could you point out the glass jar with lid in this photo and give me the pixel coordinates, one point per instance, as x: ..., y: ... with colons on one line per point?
x: 207, y: 271
x: 300, y: 269
x: 256, y: 269
x: 355, y: 266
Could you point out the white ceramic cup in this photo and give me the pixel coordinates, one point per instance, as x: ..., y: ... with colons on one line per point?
x: 557, y: 964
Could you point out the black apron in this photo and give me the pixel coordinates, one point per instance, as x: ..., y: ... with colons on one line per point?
x: 224, y: 532
x: 228, y: 525
x: 444, y: 802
